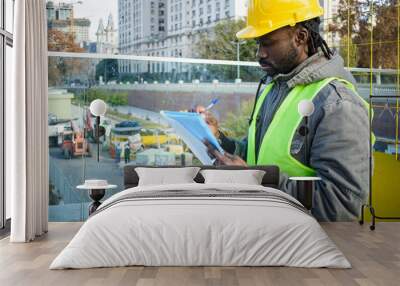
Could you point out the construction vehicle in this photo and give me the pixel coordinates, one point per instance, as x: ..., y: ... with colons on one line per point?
x: 73, y: 142
x: 149, y: 137
x: 55, y: 129
x: 153, y: 137
x: 125, y: 132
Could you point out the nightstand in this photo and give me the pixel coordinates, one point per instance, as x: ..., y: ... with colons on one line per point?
x: 97, y: 190
x: 305, y: 189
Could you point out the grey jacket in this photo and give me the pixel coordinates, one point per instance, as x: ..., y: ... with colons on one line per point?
x: 338, y: 136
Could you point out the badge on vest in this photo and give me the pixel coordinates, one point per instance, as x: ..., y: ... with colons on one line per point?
x: 296, y: 146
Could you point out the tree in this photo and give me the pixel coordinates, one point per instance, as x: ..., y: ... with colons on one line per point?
x: 59, y: 41
x: 349, y: 52
x: 108, y: 69
x: 109, y: 96
x: 221, y: 44
x: 384, y: 36
x: 236, y: 124
x: 62, y: 68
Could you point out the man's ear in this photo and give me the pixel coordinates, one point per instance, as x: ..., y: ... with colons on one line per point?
x: 301, y: 37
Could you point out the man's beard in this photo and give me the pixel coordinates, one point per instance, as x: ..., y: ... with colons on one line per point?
x: 285, y: 65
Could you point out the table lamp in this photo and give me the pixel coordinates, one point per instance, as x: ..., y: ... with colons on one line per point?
x: 98, y: 108
x: 305, y: 185
x: 305, y: 109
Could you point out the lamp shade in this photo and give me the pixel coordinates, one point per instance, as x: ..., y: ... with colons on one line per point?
x: 98, y: 107
x: 305, y: 107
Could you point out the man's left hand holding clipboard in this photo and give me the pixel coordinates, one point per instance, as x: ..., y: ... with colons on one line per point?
x: 221, y: 159
x: 193, y: 130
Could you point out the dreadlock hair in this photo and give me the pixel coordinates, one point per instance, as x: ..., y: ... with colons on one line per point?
x: 316, y: 41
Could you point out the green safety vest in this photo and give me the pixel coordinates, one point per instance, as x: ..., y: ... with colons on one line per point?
x: 276, y: 144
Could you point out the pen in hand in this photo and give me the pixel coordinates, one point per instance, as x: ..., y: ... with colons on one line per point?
x: 204, y: 110
x: 201, y: 109
x: 211, y: 105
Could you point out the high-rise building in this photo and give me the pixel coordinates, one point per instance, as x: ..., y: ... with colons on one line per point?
x: 60, y: 17
x: 61, y: 11
x: 331, y: 9
x: 168, y: 28
x: 107, y: 37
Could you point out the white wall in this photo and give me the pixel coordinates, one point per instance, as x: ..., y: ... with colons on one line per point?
x: 8, y: 84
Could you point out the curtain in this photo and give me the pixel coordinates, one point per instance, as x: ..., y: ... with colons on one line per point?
x: 26, y: 124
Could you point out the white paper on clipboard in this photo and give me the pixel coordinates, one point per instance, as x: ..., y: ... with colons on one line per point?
x: 193, y: 130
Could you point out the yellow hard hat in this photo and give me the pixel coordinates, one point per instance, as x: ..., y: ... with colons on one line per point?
x: 265, y: 16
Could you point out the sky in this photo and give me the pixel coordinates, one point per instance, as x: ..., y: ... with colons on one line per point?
x: 94, y: 10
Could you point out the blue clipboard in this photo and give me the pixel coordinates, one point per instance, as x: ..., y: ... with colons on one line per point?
x: 193, y: 129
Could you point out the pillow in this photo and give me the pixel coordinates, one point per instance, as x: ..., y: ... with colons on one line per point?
x: 248, y: 177
x: 166, y: 176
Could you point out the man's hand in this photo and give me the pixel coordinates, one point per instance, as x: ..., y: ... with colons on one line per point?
x: 226, y: 158
x: 211, y: 121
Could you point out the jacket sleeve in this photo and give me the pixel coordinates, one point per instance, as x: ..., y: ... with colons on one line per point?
x: 339, y: 152
x: 234, y: 146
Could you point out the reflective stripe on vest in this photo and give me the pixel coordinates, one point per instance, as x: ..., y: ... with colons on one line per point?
x: 277, y: 141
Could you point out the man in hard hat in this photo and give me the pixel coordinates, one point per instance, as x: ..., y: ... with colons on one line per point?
x: 300, y: 66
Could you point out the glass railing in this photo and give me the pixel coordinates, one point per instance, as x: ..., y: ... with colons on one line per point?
x: 136, y: 89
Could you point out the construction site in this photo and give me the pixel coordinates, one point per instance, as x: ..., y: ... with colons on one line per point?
x: 364, y: 33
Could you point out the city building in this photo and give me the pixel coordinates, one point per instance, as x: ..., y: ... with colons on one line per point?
x: 331, y: 9
x: 168, y: 28
x: 107, y: 37
x: 60, y: 17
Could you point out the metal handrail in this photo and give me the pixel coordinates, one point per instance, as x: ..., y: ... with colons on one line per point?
x: 189, y: 61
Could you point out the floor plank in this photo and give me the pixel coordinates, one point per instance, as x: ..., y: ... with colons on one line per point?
x: 375, y: 257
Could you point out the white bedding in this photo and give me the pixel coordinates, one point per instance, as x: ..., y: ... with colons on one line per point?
x: 201, y: 231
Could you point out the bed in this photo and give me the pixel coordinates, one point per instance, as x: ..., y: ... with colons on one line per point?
x: 198, y: 224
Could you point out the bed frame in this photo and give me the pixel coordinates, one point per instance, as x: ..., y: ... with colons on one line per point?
x: 304, y: 192
x: 270, y: 179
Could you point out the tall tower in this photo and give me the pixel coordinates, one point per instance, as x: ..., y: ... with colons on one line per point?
x: 100, y: 34
x: 111, y: 33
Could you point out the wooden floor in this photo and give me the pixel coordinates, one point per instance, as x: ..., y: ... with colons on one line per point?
x: 375, y: 257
